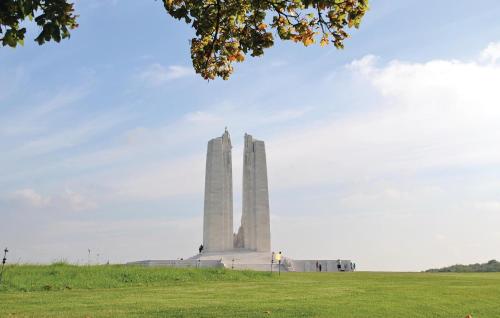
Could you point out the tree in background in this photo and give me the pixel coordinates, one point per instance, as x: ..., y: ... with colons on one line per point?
x: 226, y: 30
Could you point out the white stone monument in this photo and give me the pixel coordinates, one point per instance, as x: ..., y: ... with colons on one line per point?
x: 218, y: 209
x: 250, y: 248
x: 255, y: 232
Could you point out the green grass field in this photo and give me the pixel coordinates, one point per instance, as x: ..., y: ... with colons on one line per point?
x: 125, y: 291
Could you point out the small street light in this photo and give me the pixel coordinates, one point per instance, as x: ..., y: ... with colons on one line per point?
x: 4, y: 260
x: 278, y: 258
x: 272, y: 262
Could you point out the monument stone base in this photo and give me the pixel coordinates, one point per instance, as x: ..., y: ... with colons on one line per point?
x: 241, y: 259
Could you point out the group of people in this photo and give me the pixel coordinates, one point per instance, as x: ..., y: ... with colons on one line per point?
x: 340, y: 268
x: 319, y: 266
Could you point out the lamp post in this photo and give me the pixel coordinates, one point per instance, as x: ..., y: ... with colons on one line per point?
x: 278, y: 258
x: 272, y: 262
x: 4, y: 260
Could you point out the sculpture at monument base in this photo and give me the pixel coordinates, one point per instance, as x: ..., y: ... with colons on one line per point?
x: 238, y: 239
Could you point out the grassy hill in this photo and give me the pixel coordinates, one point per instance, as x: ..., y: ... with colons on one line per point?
x: 491, y: 266
x: 124, y: 291
x: 61, y: 276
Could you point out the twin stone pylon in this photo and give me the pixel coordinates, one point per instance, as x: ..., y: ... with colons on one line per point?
x: 218, y: 214
x: 254, y: 233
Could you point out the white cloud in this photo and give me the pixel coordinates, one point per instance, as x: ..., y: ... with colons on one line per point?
x: 10, y: 80
x: 61, y: 99
x: 33, y: 119
x: 69, y: 137
x: 440, y: 237
x: 76, y: 201
x: 491, y: 53
x: 490, y: 206
x: 435, y: 115
x: 157, y: 74
x: 285, y: 115
x: 64, y: 201
x: 162, y: 180
x: 203, y: 117
x: 30, y: 198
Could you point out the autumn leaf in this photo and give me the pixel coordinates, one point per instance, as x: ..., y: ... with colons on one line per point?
x: 308, y: 41
x: 324, y: 41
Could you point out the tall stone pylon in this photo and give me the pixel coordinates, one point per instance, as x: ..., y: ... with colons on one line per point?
x: 218, y: 205
x: 255, y: 231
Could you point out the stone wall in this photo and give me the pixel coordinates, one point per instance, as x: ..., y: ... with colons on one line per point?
x: 326, y: 265
x: 180, y: 263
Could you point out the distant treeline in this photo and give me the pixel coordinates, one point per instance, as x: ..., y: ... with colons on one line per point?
x: 491, y: 266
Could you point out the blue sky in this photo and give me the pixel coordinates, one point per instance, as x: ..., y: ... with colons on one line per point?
x: 385, y: 152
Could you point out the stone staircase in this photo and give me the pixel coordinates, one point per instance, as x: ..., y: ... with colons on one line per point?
x: 243, y: 260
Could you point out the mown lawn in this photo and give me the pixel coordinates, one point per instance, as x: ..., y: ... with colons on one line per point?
x: 121, y: 291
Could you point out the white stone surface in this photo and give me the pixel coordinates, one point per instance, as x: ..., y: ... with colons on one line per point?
x: 241, y: 259
x: 218, y: 205
x: 189, y: 263
x: 255, y: 223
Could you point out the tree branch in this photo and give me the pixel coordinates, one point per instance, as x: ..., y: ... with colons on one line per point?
x: 216, y: 34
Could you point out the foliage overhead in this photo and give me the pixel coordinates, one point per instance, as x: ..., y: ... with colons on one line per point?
x: 54, y: 17
x: 226, y: 30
